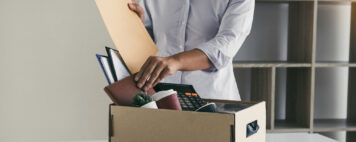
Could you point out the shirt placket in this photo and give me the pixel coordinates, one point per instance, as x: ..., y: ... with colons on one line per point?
x: 182, y: 31
x: 183, y: 25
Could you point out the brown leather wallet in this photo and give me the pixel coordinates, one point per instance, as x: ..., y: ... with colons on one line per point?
x: 123, y: 91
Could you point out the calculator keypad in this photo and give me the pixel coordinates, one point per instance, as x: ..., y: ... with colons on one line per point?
x: 187, y: 96
x: 190, y: 101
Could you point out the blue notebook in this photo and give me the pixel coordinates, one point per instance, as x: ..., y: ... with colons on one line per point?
x: 105, y: 66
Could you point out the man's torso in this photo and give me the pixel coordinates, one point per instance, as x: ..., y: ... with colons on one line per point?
x: 181, y: 25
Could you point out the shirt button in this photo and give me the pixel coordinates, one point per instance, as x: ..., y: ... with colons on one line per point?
x: 180, y: 46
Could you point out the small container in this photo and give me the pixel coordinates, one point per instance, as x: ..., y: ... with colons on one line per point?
x: 167, y: 100
x: 151, y: 105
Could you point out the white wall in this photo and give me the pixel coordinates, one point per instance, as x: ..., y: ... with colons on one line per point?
x: 51, y: 87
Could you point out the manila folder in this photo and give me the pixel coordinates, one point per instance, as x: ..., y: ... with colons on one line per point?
x: 127, y: 32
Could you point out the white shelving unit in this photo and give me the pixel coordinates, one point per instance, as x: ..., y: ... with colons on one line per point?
x: 301, y: 66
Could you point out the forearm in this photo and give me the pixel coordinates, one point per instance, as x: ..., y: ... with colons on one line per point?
x: 192, y: 60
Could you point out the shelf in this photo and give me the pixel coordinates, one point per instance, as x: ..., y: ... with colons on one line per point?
x: 291, y: 65
x: 282, y: 0
x: 283, y: 126
x: 268, y: 64
x: 330, y: 125
x: 305, y: 0
x: 334, y: 64
x: 292, y: 82
x: 336, y: 0
x: 289, y: 130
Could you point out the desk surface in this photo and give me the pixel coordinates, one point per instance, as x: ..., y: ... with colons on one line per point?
x: 277, y: 137
x: 297, y: 137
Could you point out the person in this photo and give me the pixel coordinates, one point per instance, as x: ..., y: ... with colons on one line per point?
x: 196, y: 40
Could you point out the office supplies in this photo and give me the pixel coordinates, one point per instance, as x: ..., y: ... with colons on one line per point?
x: 127, y: 32
x: 123, y: 91
x: 111, y: 64
x: 145, y: 101
x: 187, y: 96
x: 151, y: 105
x: 104, y: 64
x: 209, y: 107
x: 167, y: 100
x: 193, y: 102
x: 117, y: 65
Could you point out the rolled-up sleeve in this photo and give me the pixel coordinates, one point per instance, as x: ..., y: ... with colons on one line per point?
x: 234, y: 28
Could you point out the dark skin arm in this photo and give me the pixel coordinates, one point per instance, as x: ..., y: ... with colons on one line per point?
x: 157, y: 68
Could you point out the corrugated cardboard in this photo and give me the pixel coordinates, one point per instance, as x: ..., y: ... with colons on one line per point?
x: 130, y: 124
x: 127, y: 32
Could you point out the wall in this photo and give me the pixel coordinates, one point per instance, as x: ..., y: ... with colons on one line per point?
x: 51, y: 86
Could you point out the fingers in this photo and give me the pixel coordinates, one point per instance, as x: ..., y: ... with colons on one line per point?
x: 153, y: 71
x: 137, y: 8
x: 163, y: 74
x: 144, y: 66
x: 154, y: 76
x: 133, y: 5
x: 146, y: 73
x: 159, y: 78
x: 140, y: 12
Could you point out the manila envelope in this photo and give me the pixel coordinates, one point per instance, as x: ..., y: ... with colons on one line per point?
x: 127, y: 32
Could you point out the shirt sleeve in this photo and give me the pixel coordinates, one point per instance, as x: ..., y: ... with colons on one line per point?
x: 235, y: 26
x: 147, y: 21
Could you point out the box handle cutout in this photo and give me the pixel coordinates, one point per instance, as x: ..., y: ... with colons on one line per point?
x: 232, y: 128
x: 111, y: 133
x: 252, y: 128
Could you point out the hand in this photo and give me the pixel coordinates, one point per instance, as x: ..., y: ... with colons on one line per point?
x: 134, y: 6
x: 154, y: 70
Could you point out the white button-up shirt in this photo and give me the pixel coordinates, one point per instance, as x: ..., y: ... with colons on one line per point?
x: 216, y: 27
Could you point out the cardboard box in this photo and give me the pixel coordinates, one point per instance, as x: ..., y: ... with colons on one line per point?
x: 131, y: 124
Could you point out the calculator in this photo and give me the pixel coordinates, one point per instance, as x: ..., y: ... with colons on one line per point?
x: 190, y: 101
x: 188, y: 97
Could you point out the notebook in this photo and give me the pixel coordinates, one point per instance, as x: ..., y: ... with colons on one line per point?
x: 117, y: 65
x: 127, y: 32
x: 104, y: 63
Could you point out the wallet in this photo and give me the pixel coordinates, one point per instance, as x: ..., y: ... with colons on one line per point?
x: 123, y: 91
